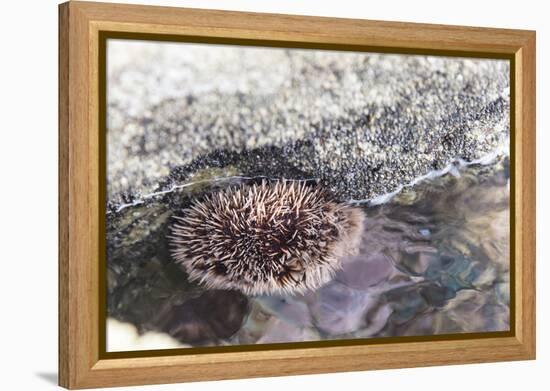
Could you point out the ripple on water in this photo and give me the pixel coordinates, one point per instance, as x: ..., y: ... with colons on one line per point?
x: 432, y: 260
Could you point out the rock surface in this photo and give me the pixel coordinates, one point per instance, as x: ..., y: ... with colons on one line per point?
x: 361, y: 123
x: 434, y: 258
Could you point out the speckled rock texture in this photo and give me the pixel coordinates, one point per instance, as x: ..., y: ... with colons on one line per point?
x: 424, y: 137
x: 362, y: 124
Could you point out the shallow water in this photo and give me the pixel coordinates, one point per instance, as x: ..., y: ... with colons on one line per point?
x: 434, y: 256
x: 434, y: 259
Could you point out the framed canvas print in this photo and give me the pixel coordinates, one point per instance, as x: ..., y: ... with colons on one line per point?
x: 248, y: 195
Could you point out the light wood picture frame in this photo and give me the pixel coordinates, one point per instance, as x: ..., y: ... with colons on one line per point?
x: 83, y: 30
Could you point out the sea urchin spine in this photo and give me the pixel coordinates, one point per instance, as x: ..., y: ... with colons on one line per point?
x: 273, y: 237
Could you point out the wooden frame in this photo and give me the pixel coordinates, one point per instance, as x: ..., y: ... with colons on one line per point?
x: 81, y: 161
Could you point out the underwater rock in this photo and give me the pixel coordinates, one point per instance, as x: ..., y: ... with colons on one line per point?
x: 363, y: 271
x: 214, y: 315
x: 433, y: 256
x: 472, y: 311
x: 417, y: 265
x: 254, y: 325
x: 277, y: 330
x: 289, y: 308
x: 337, y: 309
x: 375, y: 320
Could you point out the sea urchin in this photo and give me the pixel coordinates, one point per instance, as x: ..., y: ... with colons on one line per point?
x: 273, y: 237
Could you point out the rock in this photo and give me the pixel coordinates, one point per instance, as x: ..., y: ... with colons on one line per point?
x: 277, y: 330
x: 402, y: 279
x: 289, y: 308
x: 337, y: 309
x: 376, y: 319
x: 363, y: 271
x: 472, y: 311
x: 363, y: 126
x: 254, y: 326
x: 212, y: 316
x: 361, y: 123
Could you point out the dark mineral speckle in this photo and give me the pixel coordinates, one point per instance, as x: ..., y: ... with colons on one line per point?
x: 360, y: 123
x: 419, y: 143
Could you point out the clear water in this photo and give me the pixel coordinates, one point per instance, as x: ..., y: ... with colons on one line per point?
x: 433, y: 260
